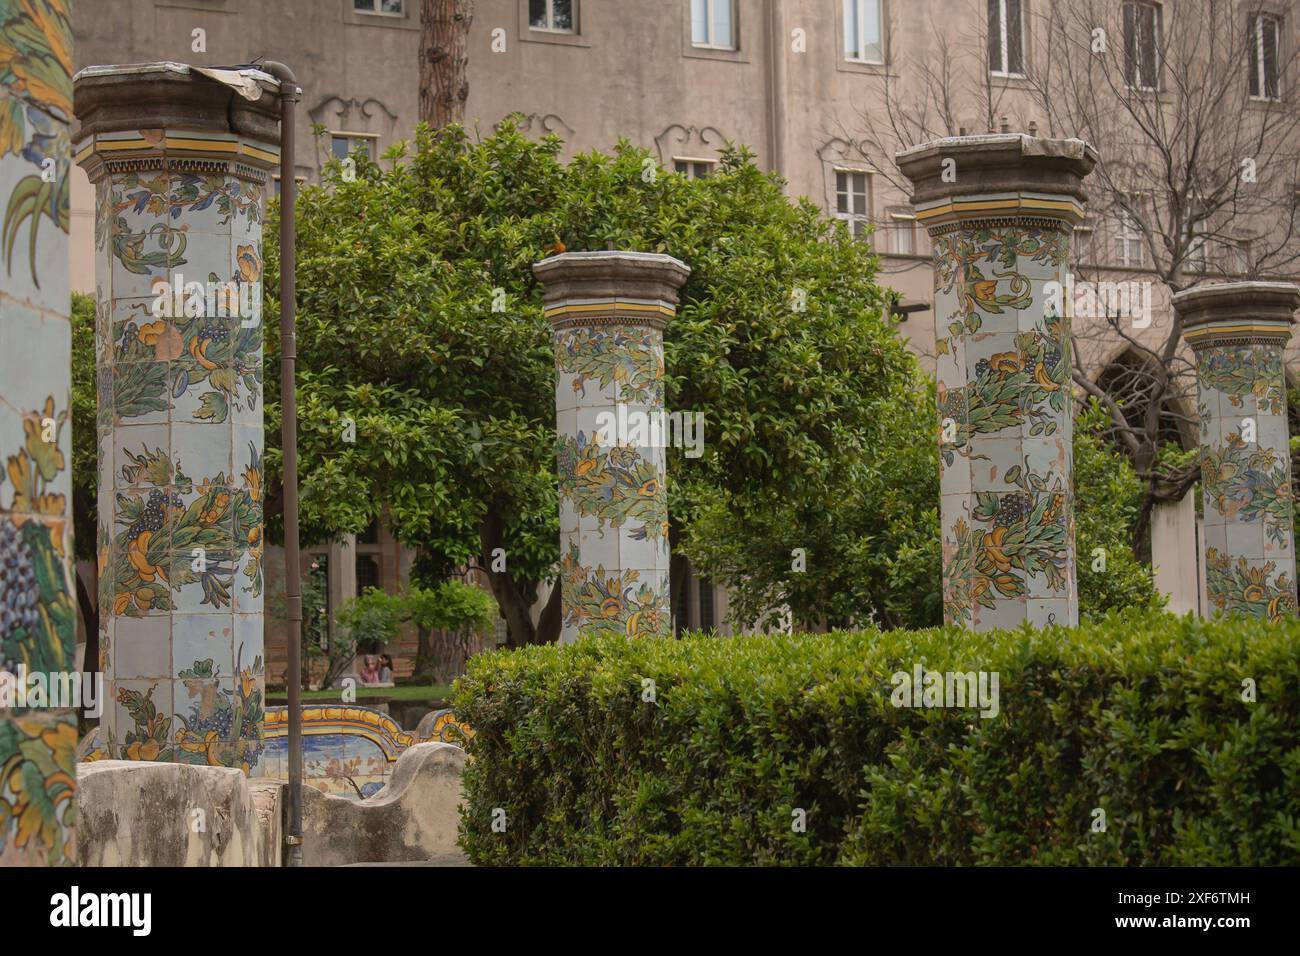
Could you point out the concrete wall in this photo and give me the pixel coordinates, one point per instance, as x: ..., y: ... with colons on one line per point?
x: 133, y: 813
x: 137, y: 813
x: 414, y: 818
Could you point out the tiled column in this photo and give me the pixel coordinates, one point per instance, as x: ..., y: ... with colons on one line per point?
x: 1239, y: 332
x: 38, y: 614
x: 1000, y: 211
x: 179, y: 162
x: 608, y: 310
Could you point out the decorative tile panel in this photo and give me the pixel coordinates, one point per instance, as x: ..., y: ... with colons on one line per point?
x: 179, y: 213
x: 1001, y: 252
x: 1239, y: 332
x: 608, y: 311
x: 38, y: 616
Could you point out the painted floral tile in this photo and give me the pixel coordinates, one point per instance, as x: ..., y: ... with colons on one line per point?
x: 1004, y: 400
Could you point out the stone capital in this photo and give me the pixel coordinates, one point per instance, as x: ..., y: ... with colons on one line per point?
x: 138, y: 117
x: 1237, y: 313
x: 602, y: 288
x: 965, y: 178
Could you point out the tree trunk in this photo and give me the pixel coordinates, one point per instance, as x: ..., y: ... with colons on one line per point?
x: 444, y: 60
x: 548, y: 625
x: 424, y: 662
x: 514, y: 606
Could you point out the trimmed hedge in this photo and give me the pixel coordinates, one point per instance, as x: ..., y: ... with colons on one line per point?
x: 1141, y: 716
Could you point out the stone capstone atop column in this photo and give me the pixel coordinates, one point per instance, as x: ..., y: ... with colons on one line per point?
x: 1237, y: 313
x: 211, y: 120
x: 1011, y: 174
x: 624, y: 287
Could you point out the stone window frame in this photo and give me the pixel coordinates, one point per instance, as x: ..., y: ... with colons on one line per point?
x: 895, y: 217
x: 1131, y: 237
x: 374, y: 550
x: 733, y: 22
x: 387, y: 21
x: 846, y: 65
x: 1254, y: 23
x: 694, y: 162
x: 1157, y: 45
x: 1083, y: 242
x: 377, y: 12
x: 735, y: 53
x: 273, y: 184
x: 574, y: 14
x: 199, y: 6
x: 1005, y: 45
x: 373, y: 138
x: 852, y: 219
x: 531, y: 34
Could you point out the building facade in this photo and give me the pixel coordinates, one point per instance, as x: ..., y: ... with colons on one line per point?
x: 821, y: 91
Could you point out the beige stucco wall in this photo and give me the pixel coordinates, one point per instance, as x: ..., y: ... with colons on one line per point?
x: 630, y: 71
x: 787, y: 92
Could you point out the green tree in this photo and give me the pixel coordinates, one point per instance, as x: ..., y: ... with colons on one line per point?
x: 85, y: 471
x: 1107, y: 507
x: 873, y: 549
x: 421, y: 330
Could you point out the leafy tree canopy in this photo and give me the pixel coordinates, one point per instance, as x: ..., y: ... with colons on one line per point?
x: 420, y: 322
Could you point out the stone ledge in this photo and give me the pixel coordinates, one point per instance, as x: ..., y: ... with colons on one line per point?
x: 140, y: 813
x: 412, y: 820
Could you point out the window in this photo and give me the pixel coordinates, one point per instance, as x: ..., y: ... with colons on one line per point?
x: 852, y: 201
x: 902, y: 227
x: 391, y: 7
x: 317, y: 600
x: 554, y: 15
x: 1006, y: 38
x: 342, y: 145
x: 1129, y: 248
x: 1081, y: 243
x: 367, y: 572
x: 1265, y: 40
x: 275, y: 183
x: 707, y: 622
x: 1142, y: 33
x: 711, y: 24
x: 694, y: 168
x: 862, y: 31
x: 1241, y: 253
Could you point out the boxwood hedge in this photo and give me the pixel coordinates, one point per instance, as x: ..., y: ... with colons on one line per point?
x: 706, y: 750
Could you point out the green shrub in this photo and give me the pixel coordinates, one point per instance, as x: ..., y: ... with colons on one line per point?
x: 1141, y: 716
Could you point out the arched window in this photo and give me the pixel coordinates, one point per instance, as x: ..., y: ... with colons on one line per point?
x: 1129, y: 378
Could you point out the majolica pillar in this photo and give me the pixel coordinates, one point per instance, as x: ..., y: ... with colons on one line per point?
x: 38, y: 614
x: 608, y: 310
x: 179, y: 160
x: 1239, y: 332
x: 1000, y: 211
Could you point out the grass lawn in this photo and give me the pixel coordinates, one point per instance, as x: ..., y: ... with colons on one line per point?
x: 401, y: 692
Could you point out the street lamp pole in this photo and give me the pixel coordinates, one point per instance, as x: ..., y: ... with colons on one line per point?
x: 289, y: 94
